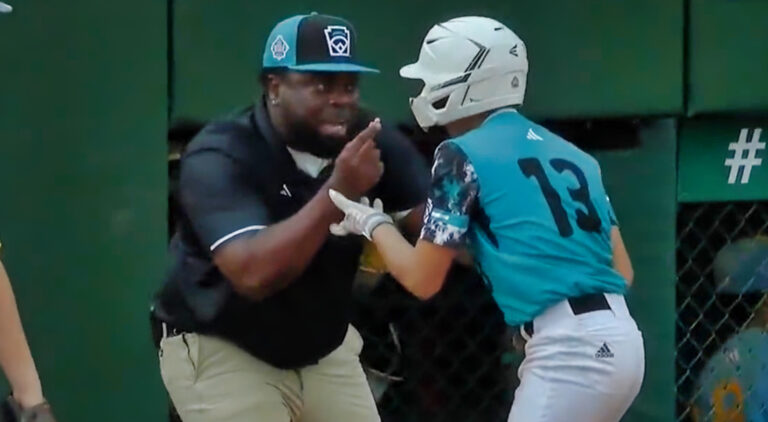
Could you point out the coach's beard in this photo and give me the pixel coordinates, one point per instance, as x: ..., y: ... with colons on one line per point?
x: 306, y: 138
x: 317, y: 145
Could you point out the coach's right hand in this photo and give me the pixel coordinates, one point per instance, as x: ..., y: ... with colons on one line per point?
x: 358, y: 167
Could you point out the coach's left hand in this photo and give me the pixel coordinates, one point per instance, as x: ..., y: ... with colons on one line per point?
x: 359, y: 218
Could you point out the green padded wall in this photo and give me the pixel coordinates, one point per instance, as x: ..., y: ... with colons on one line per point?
x: 83, y: 110
x: 641, y: 184
x: 727, y: 56
x: 588, y: 57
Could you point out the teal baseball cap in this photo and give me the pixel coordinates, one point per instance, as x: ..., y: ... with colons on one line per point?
x: 313, y: 43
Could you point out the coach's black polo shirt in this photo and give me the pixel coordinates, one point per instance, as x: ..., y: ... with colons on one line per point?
x: 237, y: 177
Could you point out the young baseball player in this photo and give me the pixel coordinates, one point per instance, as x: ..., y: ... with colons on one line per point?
x: 532, y: 210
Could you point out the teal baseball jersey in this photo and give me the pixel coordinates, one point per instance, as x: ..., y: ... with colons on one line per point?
x: 532, y: 209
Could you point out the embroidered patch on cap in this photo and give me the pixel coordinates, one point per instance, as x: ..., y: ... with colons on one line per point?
x: 279, y: 48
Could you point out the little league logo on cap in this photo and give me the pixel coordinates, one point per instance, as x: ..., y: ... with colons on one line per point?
x: 338, y: 40
x: 279, y: 48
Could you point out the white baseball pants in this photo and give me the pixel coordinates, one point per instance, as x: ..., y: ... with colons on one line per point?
x: 580, y: 368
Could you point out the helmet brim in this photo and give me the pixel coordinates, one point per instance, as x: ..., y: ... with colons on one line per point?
x: 416, y: 71
x: 411, y: 71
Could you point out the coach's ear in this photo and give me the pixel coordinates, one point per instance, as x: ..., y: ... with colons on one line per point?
x: 270, y: 80
x: 621, y: 261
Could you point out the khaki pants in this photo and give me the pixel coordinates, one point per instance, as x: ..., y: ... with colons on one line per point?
x: 212, y: 380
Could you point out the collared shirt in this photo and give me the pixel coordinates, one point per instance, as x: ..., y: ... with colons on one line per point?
x: 308, y: 163
x: 237, y: 178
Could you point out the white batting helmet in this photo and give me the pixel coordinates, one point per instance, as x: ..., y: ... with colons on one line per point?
x: 469, y: 65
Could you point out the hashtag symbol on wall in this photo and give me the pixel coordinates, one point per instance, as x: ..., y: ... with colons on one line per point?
x: 744, y: 155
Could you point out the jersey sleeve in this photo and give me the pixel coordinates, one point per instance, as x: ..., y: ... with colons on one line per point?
x: 452, y: 195
x: 218, y: 200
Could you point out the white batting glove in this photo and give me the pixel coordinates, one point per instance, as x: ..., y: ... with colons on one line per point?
x: 5, y: 8
x: 359, y: 218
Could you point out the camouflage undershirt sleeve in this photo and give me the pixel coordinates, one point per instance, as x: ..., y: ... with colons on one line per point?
x: 452, y: 194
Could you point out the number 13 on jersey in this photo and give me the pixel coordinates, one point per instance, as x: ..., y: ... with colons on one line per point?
x: 588, y: 221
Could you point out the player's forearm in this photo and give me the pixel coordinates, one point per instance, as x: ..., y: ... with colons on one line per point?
x: 624, y: 268
x: 15, y: 357
x: 402, y: 261
x: 280, y: 253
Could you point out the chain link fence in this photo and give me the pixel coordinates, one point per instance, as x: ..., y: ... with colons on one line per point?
x: 722, y: 345
x: 449, y: 359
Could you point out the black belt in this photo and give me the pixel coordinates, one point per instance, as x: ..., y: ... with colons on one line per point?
x: 579, y: 305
